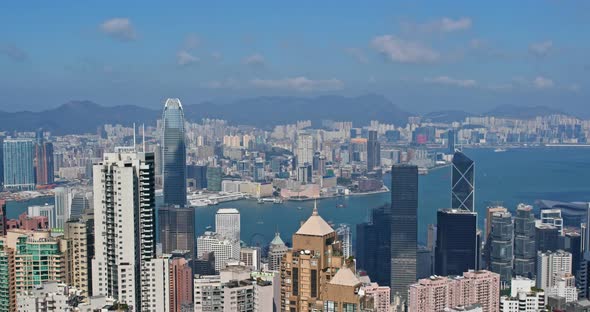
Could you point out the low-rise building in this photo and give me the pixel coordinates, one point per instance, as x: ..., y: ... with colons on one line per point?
x: 439, y: 293
x: 524, y: 297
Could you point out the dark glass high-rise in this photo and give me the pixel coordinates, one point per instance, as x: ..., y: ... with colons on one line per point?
x: 463, y: 182
x: 173, y: 154
x: 373, y: 246
x: 456, y: 242
x: 524, y: 241
x: 373, y: 151
x: 451, y: 138
x: 176, y: 221
x: 404, y: 228
x: 501, y: 245
x: 177, y: 229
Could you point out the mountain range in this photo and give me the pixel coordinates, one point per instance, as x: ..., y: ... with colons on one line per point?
x: 78, y: 117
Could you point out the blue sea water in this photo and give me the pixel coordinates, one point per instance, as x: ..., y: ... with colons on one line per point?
x: 509, y: 178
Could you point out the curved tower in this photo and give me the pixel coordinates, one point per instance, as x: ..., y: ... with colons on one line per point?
x: 173, y: 154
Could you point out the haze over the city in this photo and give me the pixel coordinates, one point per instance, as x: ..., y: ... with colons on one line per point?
x: 424, y: 57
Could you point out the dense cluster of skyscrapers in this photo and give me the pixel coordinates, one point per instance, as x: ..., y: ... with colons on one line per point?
x: 109, y: 245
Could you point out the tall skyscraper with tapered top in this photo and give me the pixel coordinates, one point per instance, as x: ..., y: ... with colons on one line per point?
x: 176, y: 221
x: 404, y: 228
x: 173, y: 154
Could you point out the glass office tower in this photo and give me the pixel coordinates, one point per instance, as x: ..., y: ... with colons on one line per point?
x: 456, y: 242
x: 173, y: 154
x: 463, y: 183
x: 501, y: 245
x: 19, y: 170
x: 404, y: 228
x: 373, y: 246
x: 176, y: 221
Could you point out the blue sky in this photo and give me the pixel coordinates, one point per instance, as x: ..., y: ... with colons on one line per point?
x: 424, y: 56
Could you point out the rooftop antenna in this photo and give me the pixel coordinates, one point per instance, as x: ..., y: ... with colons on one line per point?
x: 315, y: 207
x: 134, y: 144
x: 143, y: 136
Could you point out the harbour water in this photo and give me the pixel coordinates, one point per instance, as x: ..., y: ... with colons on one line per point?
x: 509, y: 178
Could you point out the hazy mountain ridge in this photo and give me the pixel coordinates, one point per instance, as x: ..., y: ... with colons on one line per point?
x: 523, y: 112
x: 75, y: 117
x: 78, y: 117
x: 264, y: 112
x: 446, y: 116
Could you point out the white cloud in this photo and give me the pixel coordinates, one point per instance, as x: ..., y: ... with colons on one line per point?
x: 302, y: 84
x: 442, y: 25
x: 543, y: 83
x: 402, y: 51
x: 184, y: 58
x: 358, y: 54
x: 119, y: 28
x: 446, y: 80
x: 13, y: 52
x: 541, y: 48
x: 448, y: 24
x: 254, y: 60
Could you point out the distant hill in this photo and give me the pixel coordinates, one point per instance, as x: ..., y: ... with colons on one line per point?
x: 523, y: 112
x: 85, y: 116
x: 446, y: 116
x: 265, y: 112
x: 75, y: 117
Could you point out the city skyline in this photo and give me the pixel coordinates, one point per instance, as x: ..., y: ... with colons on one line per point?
x: 374, y: 157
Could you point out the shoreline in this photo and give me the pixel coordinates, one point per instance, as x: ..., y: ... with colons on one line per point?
x: 385, y: 189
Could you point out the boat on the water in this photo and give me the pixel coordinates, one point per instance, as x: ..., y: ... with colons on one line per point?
x: 500, y: 150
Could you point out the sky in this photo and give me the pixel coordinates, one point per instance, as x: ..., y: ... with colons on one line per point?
x: 423, y: 56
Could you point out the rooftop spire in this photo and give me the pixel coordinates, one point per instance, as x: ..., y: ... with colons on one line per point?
x: 315, y: 208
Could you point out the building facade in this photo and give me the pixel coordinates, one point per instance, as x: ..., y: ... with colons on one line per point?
x: 174, y: 154
x: 524, y: 241
x: 373, y: 151
x: 124, y: 214
x: 177, y: 228
x: 345, y: 236
x: 76, y: 260
x: 373, y: 246
x: 501, y: 246
x: 456, y: 242
x: 404, y: 228
x: 227, y: 223
x: 305, y: 148
x: 463, y: 182
x: 314, y: 259
x: 551, y: 266
x: 44, y: 163
x: 276, y: 250
x: 224, y: 250
x: 439, y: 293
x: 62, y: 204
x: 19, y: 171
